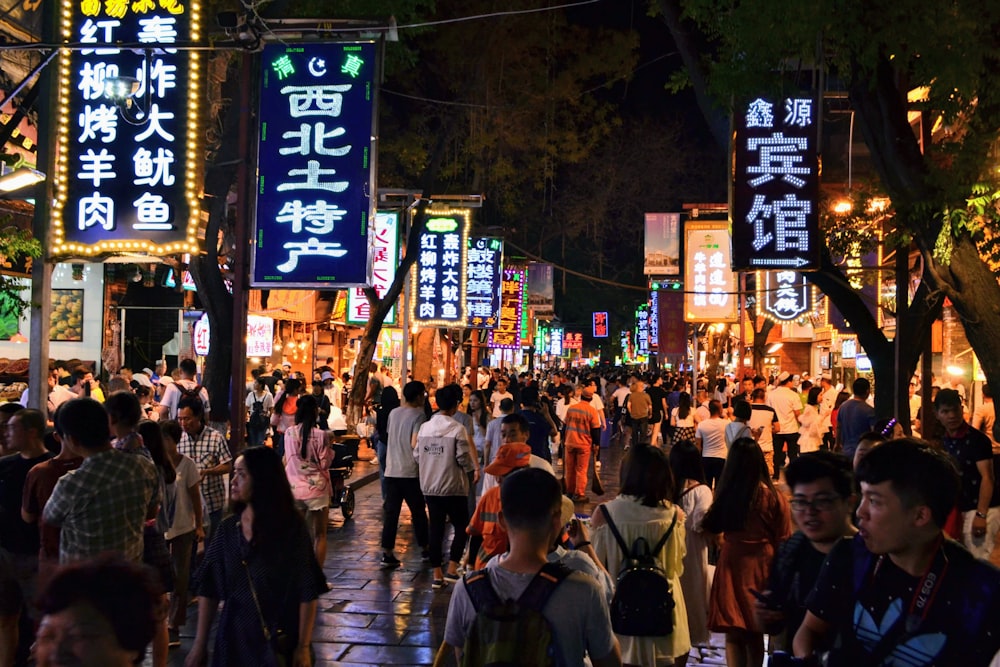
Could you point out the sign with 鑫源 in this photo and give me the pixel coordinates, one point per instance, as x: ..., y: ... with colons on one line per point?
x: 776, y: 185
x: 128, y: 143
x: 439, y: 281
x: 314, y: 172
x: 711, y: 284
x: 482, y: 287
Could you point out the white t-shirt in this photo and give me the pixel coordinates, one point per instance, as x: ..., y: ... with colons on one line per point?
x: 786, y: 403
x: 172, y: 395
x: 763, y: 417
x: 266, y: 403
x: 712, y: 432
x: 495, y: 402
x: 187, y: 477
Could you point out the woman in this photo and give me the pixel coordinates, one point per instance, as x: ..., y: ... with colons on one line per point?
x: 259, y: 405
x: 809, y: 436
x: 682, y: 419
x: 740, y: 426
x: 283, y: 417
x: 307, y: 464
x: 695, y: 498
x: 390, y: 401
x: 480, y: 418
x: 261, y: 565
x: 755, y: 519
x: 644, y: 509
x: 97, y: 613
x: 841, y: 399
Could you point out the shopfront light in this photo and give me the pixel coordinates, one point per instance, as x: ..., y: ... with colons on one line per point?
x: 21, y: 177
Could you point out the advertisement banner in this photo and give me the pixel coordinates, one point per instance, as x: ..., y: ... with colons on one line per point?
x: 711, y: 283
x: 385, y: 260
x: 673, y: 328
x: 776, y: 186
x: 600, y: 326
x: 663, y: 244
x: 440, y: 273
x: 314, y: 168
x: 128, y: 169
x: 573, y: 341
x: 541, y: 293
x: 506, y: 335
x: 482, y: 287
x: 642, y: 330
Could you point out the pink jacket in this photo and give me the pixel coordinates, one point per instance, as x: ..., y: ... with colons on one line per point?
x: 309, y: 477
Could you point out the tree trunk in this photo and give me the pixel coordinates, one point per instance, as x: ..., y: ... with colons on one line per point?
x: 760, y: 344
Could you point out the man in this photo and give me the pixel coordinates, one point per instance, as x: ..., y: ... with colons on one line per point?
x: 402, y: 480
x: 985, y: 416
x: 763, y: 418
x: 916, y: 402
x: 972, y: 453
x: 576, y: 611
x: 855, y: 417
x: 443, y: 457
x: 83, y: 384
x: 701, y: 399
x: 787, y: 406
x: 555, y: 386
x: 104, y: 504
x: 487, y: 538
x: 540, y: 424
x: 619, y: 393
x: 57, y: 395
x: 899, y: 592
x: 187, y: 384
x: 710, y: 438
x: 640, y: 408
x: 823, y: 498
x: 208, y: 449
x: 581, y: 434
x: 499, y: 394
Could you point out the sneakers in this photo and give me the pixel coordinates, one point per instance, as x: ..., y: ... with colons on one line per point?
x: 438, y: 584
x: 174, y: 637
x: 389, y: 561
x: 452, y: 577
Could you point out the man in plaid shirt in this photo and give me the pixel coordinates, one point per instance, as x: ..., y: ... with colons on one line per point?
x: 102, y: 505
x: 208, y: 449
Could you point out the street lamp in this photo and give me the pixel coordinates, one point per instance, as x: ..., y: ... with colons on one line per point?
x: 21, y: 177
x: 122, y: 90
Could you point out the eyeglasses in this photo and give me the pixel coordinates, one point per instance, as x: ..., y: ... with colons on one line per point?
x: 819, y: 504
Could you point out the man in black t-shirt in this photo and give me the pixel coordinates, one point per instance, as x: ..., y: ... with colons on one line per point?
x: 900, y: 592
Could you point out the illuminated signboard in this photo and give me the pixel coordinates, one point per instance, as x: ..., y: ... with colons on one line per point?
x: 128, y: 173
x: 711, y: 293
x: 439, y: 283
x: 385, y: 259
x: 573, y: 341
x: 663, y: 244
x: 654, y: 320
x: 556, y: 341
x: 506, y: 335
x: 787, y: 296
x: 642, y: 330
x: 600, y: 327
x: 315, y: 168
x: 482, y: 287
x: 776, y: 184
x: 625, y: 340
x: 260, y: 336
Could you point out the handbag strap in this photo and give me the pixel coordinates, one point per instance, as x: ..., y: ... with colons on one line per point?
x: 256, y: 602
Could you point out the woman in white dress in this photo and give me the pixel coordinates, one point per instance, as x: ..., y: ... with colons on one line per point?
x: 809, y: 421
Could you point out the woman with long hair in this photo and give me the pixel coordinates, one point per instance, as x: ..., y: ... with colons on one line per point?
x: 390, y: 401
x: 809, y: 422
x: 480, y: 418
x: 754, y: 520
x: 283, y: 417
x: 694, y: 497
x: 682, y: 419
x: 307, y: 464
x: 645, y: 508
x: 261, y: 565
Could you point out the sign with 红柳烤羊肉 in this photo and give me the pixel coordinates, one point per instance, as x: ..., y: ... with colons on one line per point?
x: 314, y: 172
x: 385, y: 259
x: 128, y: 139
x: 710, y: 294
x: 506, y: 335
x: 776, y: 185
x: 483, y: 278
x: 439, y: 281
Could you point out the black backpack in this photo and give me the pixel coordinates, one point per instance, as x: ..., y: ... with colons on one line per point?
x: 512, y: 632
x: 643, y: 604
x: 194, y: 392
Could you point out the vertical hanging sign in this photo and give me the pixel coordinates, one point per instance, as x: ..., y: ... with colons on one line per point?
x: 482, y: 287
x: 506, y: 335
x: 314, y: 169
x: 787, y: 296
x: 440, y: 282
x: 128, y: 147
x: 642, y: 330
x: 385, y: 260
x: 776, y: 185
x: 711, y: 293
x: 654, y: 319
x: 600, y: 325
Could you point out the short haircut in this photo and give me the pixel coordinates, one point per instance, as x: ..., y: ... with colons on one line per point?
x: 192, y: 403
x: 519, y: 419
x: 31, y: 419
x: 947, y: 398
x: 10, y: 409
x: 448, y: 397
x: 742, y: 410
x: 714, y: 407
x: 757, y: 394
x: 189, y: 367
x: 814, y: 466
x: 506, y: 404
x: 918, y: 474
x: 86, y: 421
x: 171, y: 429
x: 529, y: 498
x: 861, y: 387
x: 126, y: 594
x: 123, y: 407
x: 413, y: 390
x: 79, y: 373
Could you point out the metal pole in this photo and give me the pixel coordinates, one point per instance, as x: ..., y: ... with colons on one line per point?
x: 694, y: 359
x: 405, y: 301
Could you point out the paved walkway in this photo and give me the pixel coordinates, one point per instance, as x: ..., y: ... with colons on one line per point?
x: 384, y: 617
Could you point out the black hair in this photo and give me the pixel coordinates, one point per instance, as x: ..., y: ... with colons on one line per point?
x: 274, y: 514
x: 683, y: 405
x: 152, y: 437
x: 291, y: 386
x: 742, y: 410
x: 306, y: 413
x: 171, y: 429
x: 646, y: 474
x: 947, y: 398
x: 686, y: 463
x: 192, y: 403
x: 814, y: 466
x: 529, y: 497
x: 31, y: 420
x: 10, y: 409
x: 484, y: 412
x: 448, y: 397
x: 714, y: 407
x: 918, y: 474
x: 861, y: 387
x: 123, y: 407
x: 413, y: 390
x: 189, y: 367
x: 86, y: 421
x: 813, y: 396
x: 519, y: 419
x: 739, y: 488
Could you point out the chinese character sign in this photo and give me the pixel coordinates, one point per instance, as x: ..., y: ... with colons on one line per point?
x: 625, y: 340
x: 260, y: 336
x: 506, y: 335
x: 314, y: 165
x: 600, y: 327
x: 663, y: 244
x: 439, y: 283
x: 127, y: 169
x: 482, y: 287
x: 711, y: 284
x: 556, y: 335
x: 642, y: 330
x: 673, y: 328
x: 385, y: 260
x: 776, y: 184
x: 654, y: 319
x: 787, y: 296
x: 573, y: 341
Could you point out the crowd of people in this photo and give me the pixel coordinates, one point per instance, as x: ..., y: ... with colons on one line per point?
x: 768, y: 507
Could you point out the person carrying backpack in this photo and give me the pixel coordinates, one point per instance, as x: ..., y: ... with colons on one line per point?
x: 186, y: 387
x: 648, y: 611
x: 521, y: 610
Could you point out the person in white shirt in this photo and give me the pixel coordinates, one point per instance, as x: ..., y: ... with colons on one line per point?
x: 787, y: 406
x: 498, y: 395
x: 710, y: 438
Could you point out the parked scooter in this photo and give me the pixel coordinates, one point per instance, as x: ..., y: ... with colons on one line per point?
x: 341, y: 469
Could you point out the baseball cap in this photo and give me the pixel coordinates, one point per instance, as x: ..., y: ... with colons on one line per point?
x: 148, y: 371
x: 510, y: 457
x: 142, y: 379
x: 166, y: 379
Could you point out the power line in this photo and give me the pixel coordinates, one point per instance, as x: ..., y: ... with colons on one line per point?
x: 492, y: 14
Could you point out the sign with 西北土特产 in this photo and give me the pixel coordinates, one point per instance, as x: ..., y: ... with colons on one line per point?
x: 128, y: 140
x: 314, y: 172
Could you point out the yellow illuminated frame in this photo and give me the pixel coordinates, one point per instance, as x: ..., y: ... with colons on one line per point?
x: 460, y: 321
x: 805, y: 318
x: 192, y: 187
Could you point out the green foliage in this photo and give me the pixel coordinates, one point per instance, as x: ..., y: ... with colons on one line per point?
x: 15, y: 245
x: 980, y: 218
